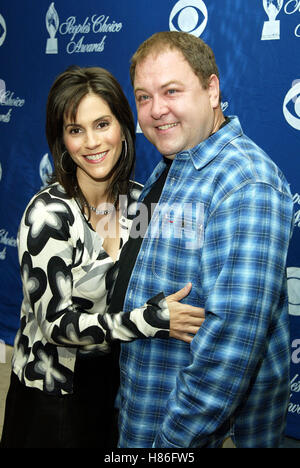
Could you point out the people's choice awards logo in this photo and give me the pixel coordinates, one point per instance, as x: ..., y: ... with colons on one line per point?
x: 99, y: 26
x: 271, y: 28
x: 293, y: 277
x: 293, y: 96
x: 8, y: 100
x: 189, y: 16
x: 2, y: 30
x: 291, y: 7
x: 52, y: 23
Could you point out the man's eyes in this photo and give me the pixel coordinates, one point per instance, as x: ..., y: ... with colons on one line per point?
x: 142, y: 98
x: 145, y: 97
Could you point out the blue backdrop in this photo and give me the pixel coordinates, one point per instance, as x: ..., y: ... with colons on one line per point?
x: 256, y: 43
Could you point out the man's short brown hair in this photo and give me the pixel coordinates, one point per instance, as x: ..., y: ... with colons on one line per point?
x: 197, y: 53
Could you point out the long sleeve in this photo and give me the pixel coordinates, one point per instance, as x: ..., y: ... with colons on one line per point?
x: 61, y: 263
x: 242, y: 270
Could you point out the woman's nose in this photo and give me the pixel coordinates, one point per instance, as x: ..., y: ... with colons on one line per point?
x: 92, y: 140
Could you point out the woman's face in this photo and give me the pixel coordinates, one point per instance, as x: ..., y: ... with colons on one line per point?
x: 94, y: 140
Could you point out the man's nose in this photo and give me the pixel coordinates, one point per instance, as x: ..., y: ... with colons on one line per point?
x: 159, y: 108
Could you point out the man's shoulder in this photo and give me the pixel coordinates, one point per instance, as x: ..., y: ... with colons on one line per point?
x: 243, y: 161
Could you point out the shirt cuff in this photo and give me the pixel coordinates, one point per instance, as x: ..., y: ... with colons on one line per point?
x: 157, y: 314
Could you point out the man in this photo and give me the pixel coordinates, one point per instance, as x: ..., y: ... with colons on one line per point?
x: 234, y: 377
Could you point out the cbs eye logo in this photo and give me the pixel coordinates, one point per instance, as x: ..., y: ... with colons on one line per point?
x: 293, y: 281
x: 189, y: 16
x: 293, y: 96
x: 2, y: 30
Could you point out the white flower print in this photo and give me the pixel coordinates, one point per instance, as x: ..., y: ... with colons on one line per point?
x: 45, y: 214
x: 45, y: 367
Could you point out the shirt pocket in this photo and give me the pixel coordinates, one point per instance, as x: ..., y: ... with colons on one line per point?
x: 177, y: 233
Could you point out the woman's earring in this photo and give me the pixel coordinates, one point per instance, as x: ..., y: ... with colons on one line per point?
x: 125, y: 144
x: 61, y: 163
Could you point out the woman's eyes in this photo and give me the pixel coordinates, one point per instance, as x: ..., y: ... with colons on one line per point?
x: 74, y: 131
x: 78, y: 130
x: 103, y: 124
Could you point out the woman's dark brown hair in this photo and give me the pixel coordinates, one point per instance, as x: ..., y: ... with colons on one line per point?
x: 64, y: 98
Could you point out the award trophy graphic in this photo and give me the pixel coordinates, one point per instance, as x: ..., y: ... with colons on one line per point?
x: 52, y: 23
x: 271, y: 29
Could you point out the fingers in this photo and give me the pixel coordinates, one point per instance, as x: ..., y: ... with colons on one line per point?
x: 182, y: 336
x: 186, y: 309
x: 186, y: 329
x: 179, y: 295
x: 185, y: 322
x: 194, y: 321
x: 192, y: 311
x: 193, y: 330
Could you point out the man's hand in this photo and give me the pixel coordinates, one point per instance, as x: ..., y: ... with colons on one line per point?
x: 185, y: 320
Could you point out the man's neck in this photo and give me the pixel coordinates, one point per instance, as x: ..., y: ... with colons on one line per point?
x: 220, y: 120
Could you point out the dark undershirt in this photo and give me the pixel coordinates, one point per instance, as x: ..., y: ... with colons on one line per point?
x: 131, y: 249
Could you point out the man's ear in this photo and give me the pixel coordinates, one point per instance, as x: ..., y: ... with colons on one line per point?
x: 214, y: 91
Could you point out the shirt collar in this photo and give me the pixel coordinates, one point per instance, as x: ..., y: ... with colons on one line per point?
x: 207, y: 150
x: 202, y: 154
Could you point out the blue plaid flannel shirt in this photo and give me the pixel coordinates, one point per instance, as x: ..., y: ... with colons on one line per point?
x: 234, y: 377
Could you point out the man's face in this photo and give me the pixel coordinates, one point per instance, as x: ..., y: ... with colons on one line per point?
x: 174, y: 111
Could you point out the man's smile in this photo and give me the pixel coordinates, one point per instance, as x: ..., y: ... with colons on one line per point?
x: 166, y: 126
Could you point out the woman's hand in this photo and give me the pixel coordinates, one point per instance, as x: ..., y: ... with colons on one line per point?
x: 185, y: 320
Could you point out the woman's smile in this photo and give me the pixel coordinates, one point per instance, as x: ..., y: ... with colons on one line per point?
x: 96, y: 157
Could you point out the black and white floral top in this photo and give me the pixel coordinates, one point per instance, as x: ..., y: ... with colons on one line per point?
x: 67, y: 280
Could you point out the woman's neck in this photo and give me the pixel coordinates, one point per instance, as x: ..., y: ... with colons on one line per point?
x: 95, y: 191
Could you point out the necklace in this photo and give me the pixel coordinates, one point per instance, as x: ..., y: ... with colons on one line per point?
x: 99, y: 212
x: 102, y: 212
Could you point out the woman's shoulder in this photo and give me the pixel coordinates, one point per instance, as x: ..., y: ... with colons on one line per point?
x: 135, y: 189
x: 52, y: 198
x: 133, y: 195
x: 55, y: 190
x: 50, y: 194
x: 135, y: 184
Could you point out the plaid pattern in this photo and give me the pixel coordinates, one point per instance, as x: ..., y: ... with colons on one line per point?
x: 234, y: 377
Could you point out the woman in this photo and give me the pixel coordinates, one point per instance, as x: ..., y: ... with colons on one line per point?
x: 64, y: 377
